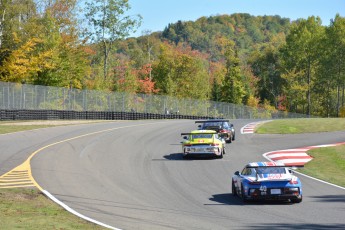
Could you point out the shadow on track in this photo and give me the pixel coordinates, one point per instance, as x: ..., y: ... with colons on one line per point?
x: 179, y: 157
x: 330, y: 198
x: 286, y: 226
x: 229, y: 199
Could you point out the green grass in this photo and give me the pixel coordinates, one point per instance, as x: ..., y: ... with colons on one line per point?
x: 16, y: 128
x: 29, y: 209
x: 302, y: 125
x: 328, y: 164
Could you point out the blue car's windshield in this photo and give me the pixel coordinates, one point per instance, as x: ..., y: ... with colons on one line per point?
x: 270, y: 170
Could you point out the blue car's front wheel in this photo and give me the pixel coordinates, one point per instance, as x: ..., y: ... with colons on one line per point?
x: 233, y: 189
x: 243, y: 196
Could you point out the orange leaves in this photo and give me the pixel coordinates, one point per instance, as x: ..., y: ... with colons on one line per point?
x: 282, y: 103
x: 145, y: 71
x: 89, y: 50
x: 135, y: 80
x: 147, y: 86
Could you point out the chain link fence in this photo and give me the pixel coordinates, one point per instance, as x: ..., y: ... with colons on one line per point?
x: 24, y: 97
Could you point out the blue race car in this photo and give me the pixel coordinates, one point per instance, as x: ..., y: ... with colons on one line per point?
x: 267, y: 181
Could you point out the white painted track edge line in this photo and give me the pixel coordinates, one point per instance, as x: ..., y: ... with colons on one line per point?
x: 67, y: 208
x: 325, y: 182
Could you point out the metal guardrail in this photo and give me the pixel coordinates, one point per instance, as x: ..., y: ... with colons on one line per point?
x: 25, y: 97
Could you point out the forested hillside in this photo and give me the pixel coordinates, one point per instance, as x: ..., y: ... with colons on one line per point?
x: 264, y: 61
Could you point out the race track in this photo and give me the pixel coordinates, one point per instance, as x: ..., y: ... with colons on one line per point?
x: 131, y: 175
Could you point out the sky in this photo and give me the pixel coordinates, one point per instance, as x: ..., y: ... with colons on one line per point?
x: 157, y: 14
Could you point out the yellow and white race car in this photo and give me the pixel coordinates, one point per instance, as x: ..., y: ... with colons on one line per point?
x: 203, y: 143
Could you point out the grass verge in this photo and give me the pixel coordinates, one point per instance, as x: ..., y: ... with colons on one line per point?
x: 16, y: 128
x: 302, y: 125
x: 23, y: 208
x: 328, y: 164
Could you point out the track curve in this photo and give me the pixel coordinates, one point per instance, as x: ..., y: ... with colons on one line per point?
x: 131, y: 175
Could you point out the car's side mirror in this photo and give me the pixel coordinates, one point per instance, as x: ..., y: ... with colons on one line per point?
x: 237, y: 173
x: 185, y: 137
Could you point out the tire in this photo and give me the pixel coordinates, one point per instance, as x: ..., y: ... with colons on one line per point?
x: 233, y: 137
x: 233, y: 189
x: 295, y: 201
x: 243, y: 197
x: 221, y: 154
x: 229, y: 140
x: 184, y: 156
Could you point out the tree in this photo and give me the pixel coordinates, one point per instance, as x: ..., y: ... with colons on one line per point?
x: 265, y: 64
x: 25, y: 62
x: 233, y: 88
x: 3, y: 13
x: 181, y: 72
x: 13, y: 18
x: 302, y: 50
x: 217, y: 73
x: 127, y: 81
x: 44, y: 47
x: 295, y: 91
x: 335, y: 60
x: 108, y: 24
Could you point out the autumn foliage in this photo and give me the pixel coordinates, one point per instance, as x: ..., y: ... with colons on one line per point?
x: 264, y: 61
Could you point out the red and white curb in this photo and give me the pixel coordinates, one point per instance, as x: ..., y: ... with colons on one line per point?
x: 294, y: 157
x: 249, y: 128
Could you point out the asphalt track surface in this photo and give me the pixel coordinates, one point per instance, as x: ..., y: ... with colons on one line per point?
x: 131, y: 175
